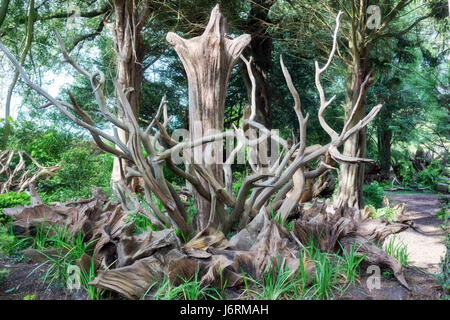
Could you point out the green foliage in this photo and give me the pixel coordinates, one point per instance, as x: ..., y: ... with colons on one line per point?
x: 373, y: 195
x: 7, y: 241
x: 407, y: 173
x: 69, y: 249
x: 12, y: 199
x: 87, y: 276
x: 429, y: 177
x: 43, y: 143
x: 277, y: 282
x: 350, y: 263
x: 397, y: 250
x: 81, y: 167
x: 141, y: 223
x: 388, y: 213
x: 30, y: 297
x: 326, y: 277
x: 189, y: 289
x: 238, y: 178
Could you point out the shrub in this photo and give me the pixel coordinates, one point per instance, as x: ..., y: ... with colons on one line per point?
x: 12, y: 199
x: 81, y: 167
x: 406, y: 172
x: 429, y: 177
x: 7, y: 242
x: 397, y: 250
x: 373, y: 195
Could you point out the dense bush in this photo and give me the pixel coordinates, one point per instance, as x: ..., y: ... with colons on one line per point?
x: 430, y: 176
x: 81, y: 164
x: 7, y: 241
x: 81, y: 167
x: 44, y: 143
x: 12, y: 199
x: 373, y: 195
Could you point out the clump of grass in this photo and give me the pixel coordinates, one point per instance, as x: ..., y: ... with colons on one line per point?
x: 87, y: 276
x: 397, y: 250
x: 69, y: 249
x: 350, y: 263
x: 326, y: 278
x: 140, y: 223
x: 189, y: 289
x: 278, y: 282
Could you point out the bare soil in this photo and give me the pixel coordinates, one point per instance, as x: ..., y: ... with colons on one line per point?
x: 426, y: 248
x: 26, y: 279
x: 426, y: 245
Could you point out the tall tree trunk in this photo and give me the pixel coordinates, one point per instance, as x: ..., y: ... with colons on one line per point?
x: 25, y: 50
x: 208, y: 60
x: 130, y: 53
x: 351, y: 177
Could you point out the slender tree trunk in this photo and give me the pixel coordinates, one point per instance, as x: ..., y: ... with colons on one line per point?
x: 208, y: 60
x: 25, y: 50
x: 130, y: 53
x: 384, y: 137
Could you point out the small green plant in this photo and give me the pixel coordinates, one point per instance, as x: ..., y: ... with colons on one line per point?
x: 325, y: 281
x: 278, y: 282
x: 8, y: 242
x: 388, y: 213
x: 406, y: 173
x: 30, y: 297
x: 87, y: 276
x: 397, y: 250
x: 141, y: 223
x: 189, y: 289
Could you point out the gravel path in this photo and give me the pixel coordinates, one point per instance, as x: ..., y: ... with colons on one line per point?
x: 425, y: 244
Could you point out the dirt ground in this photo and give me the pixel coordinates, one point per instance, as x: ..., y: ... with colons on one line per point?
x: 425, y: 248
x: 26, y: 279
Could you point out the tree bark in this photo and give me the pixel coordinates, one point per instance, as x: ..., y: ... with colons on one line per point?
x: 351, y: 177
x: 208, y: 60
x: 130, y: 54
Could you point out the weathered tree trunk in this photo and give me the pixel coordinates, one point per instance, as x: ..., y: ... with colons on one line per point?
x: 351, y: 177
x: 130, y: 53
x: 208, y: 60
